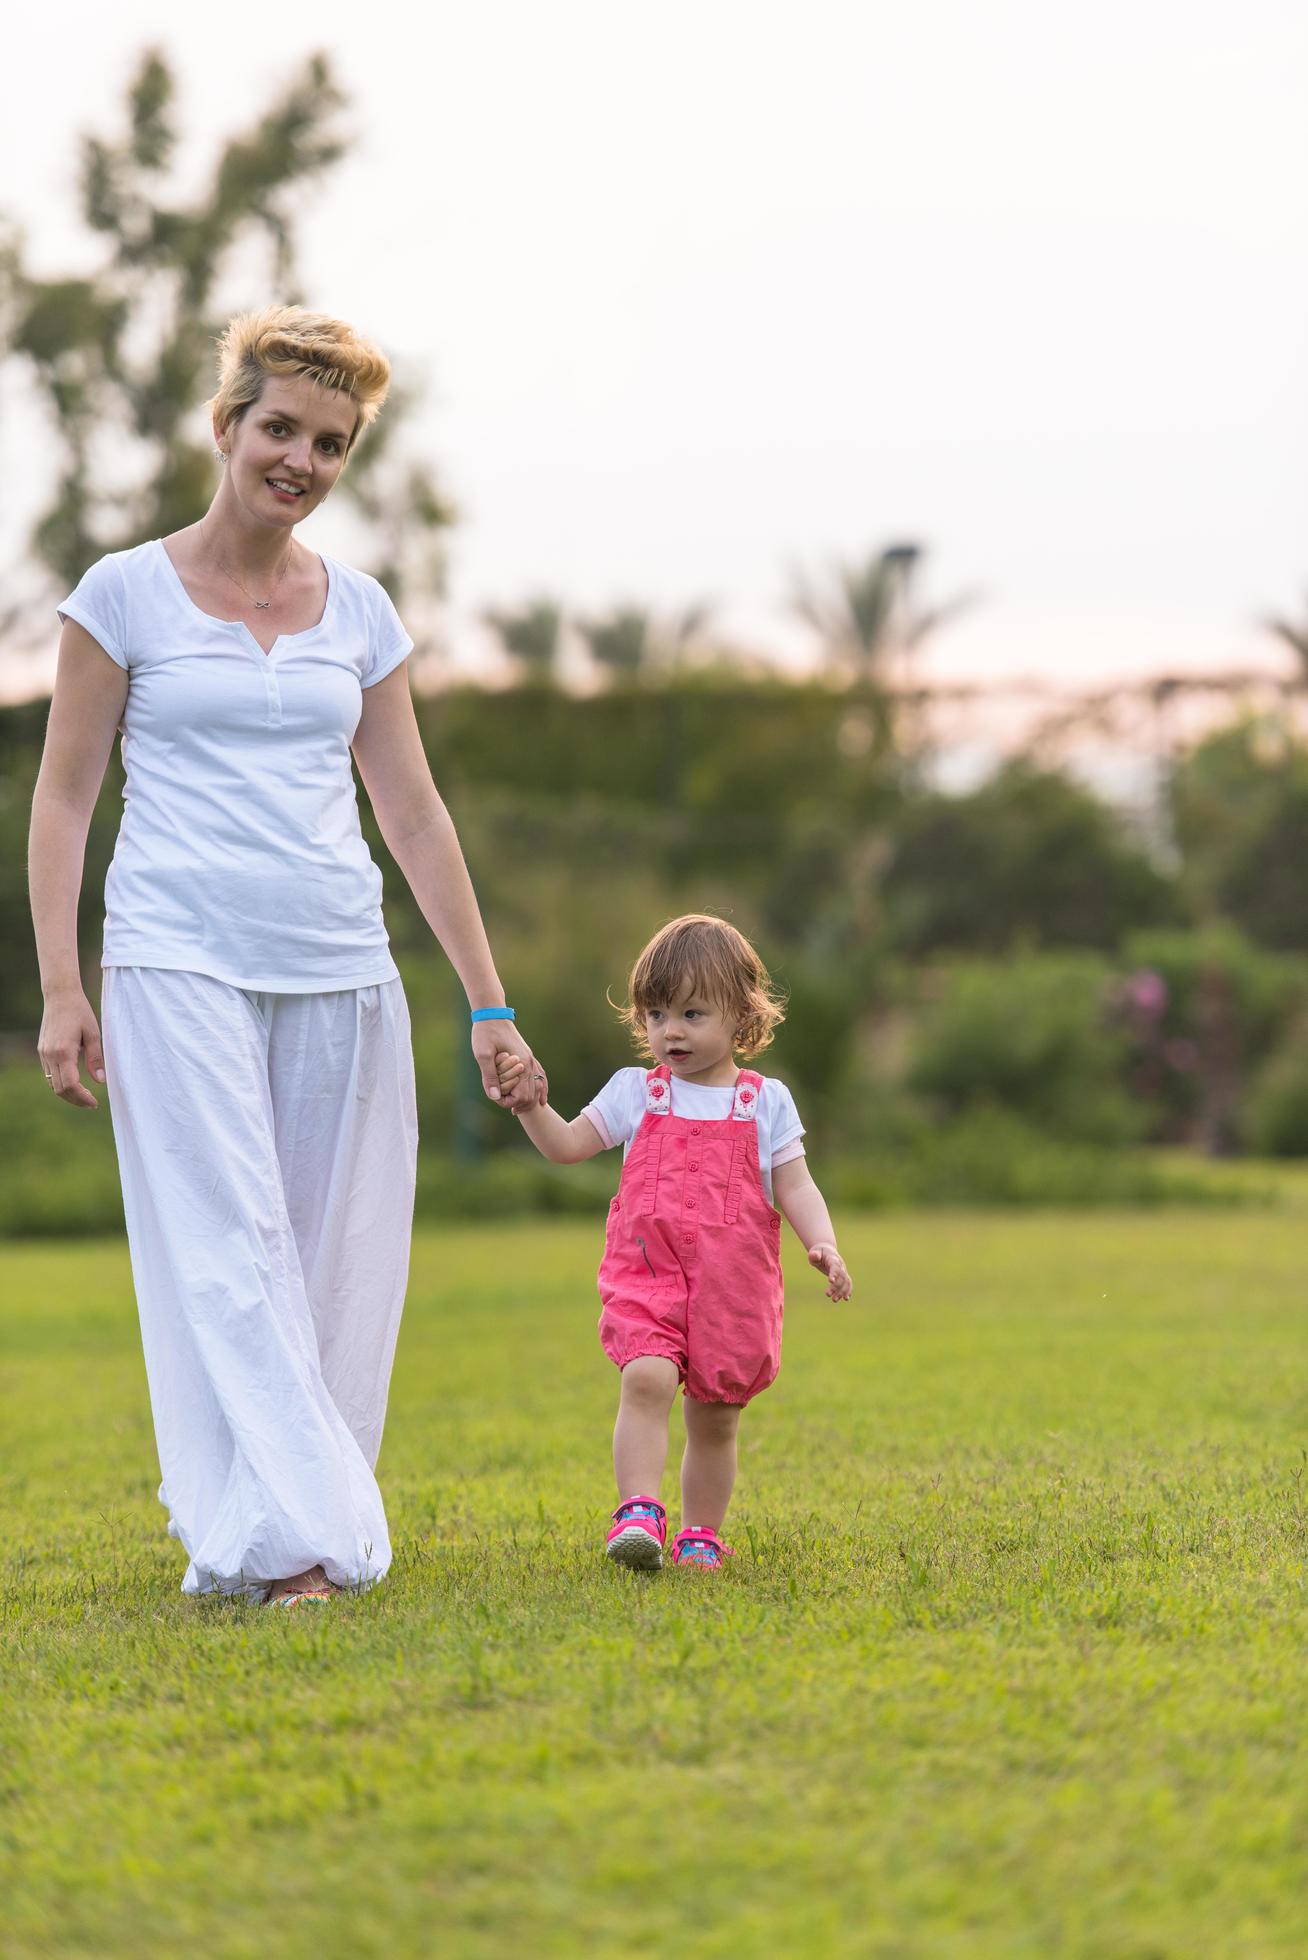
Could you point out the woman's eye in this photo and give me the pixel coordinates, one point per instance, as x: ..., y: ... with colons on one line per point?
x: 330, y: 444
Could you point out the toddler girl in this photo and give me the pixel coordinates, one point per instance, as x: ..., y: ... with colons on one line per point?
x: 690, y: 1282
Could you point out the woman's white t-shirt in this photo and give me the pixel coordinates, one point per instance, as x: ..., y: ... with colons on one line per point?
x: 618, y: 1111
x: 240, y: 853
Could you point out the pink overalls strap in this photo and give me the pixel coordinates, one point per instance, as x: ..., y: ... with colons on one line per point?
x: 658, y: 1102
x: 744, y: 1141
x: 745, y: 1108
x: 658, y: 1091
x: 658, y: 1094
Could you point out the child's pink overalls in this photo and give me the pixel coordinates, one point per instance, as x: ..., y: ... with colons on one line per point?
x: 692, y: 1260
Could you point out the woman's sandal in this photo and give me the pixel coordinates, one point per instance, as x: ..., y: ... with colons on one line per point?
x: 293, y: 1598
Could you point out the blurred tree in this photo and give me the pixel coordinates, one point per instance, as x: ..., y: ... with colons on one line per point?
x: 867, y: 613
x: 1029, y: 856
x: 632, y: 641
x: 1295, y: 635
x: 122, y: 357
x: 1029, y: 1036
x: 1240, y: 815
x: 531, y: 635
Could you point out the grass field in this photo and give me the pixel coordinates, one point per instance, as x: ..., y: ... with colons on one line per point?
x: 1012, y: 1659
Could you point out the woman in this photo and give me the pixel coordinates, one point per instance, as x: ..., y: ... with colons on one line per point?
x: 256, y: 1038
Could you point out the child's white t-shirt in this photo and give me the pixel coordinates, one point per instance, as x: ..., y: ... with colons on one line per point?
x: 618, y: 1111
x: 240, y: 853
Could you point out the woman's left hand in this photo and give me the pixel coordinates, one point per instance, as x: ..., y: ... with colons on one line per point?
x: 490, y: 1038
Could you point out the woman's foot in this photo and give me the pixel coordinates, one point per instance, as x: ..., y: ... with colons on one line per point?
x: 313, y: 1584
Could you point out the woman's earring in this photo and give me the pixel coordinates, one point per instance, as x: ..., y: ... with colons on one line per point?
x: 221, y: 454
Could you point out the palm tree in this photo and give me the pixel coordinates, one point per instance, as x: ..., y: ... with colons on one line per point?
x: 868, y: 619
x: 1294, y: 635
x: 867, y: 613
x: 531, y: 634
x: 631, y: 640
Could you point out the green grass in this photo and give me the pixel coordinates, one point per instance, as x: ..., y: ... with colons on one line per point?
x: 1011, y: 1661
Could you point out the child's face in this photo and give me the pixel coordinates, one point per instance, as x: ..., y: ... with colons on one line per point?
x: 694, y: 1036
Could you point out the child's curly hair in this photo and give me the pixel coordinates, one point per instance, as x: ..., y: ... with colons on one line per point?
x: 707, y: 954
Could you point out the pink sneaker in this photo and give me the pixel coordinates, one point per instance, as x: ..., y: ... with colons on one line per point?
x: 639, y: 1533
x: 694, y: 1545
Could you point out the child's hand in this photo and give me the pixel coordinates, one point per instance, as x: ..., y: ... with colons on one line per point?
x: 509, y: 1069
x: 828, y: 1261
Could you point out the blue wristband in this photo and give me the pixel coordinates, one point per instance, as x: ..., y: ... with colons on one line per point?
x: 493, y: 1014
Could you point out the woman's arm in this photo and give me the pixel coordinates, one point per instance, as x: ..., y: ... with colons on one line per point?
x: 421, y: 838
x: 800, y: 1201
x: 89, y: 697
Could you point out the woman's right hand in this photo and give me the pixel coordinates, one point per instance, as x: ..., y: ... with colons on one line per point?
x: 69, y: 1031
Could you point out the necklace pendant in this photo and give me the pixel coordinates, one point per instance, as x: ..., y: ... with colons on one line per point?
x: 262, y: 605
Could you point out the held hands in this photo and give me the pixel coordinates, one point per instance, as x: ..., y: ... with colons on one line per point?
x: 827, y: 1260
x: 509, y: 1071
x: 494, y: 1042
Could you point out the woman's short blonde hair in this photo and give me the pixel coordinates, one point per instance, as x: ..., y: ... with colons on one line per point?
x: 291, y: 340
x: 710, y: 956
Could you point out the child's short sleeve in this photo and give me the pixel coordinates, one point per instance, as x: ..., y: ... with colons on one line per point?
x: 388, y: 642
x: 785, y: 1131
x: 617, y: 1110
x: 99, y: 603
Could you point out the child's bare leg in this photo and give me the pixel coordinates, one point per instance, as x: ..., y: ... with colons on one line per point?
x: 708, y: 1469
x: 640, y: 1435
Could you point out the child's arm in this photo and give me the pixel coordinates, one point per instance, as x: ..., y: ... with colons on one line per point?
x: 800, y: 1201
x: 562, y: 1143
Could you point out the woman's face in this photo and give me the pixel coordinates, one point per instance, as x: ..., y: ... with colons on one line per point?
x: 288, y: 448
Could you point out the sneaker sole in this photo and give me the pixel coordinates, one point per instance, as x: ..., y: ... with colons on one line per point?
x: 637, y: 1549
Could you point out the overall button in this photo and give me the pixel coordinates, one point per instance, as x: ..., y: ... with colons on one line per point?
x: 692, y: 1201
x: 693, y: 1165
x: 694, y: 1129
x: 688, y: 1238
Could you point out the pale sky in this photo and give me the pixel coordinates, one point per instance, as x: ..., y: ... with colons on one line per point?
x: 705, y: 290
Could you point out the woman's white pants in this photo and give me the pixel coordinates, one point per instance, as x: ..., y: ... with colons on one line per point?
x: 267, y: 1147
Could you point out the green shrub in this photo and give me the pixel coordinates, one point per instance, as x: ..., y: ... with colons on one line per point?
x: 1028, y: 856
x: 1277, y: 1122
x: 991, y: 1157
x: 505, y: 1185
x: 1226, y: 1007
x: 61, y: 1174
x: 1028, y: 1036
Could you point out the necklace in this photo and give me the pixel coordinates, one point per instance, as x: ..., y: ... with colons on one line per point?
x: 260, y: 605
